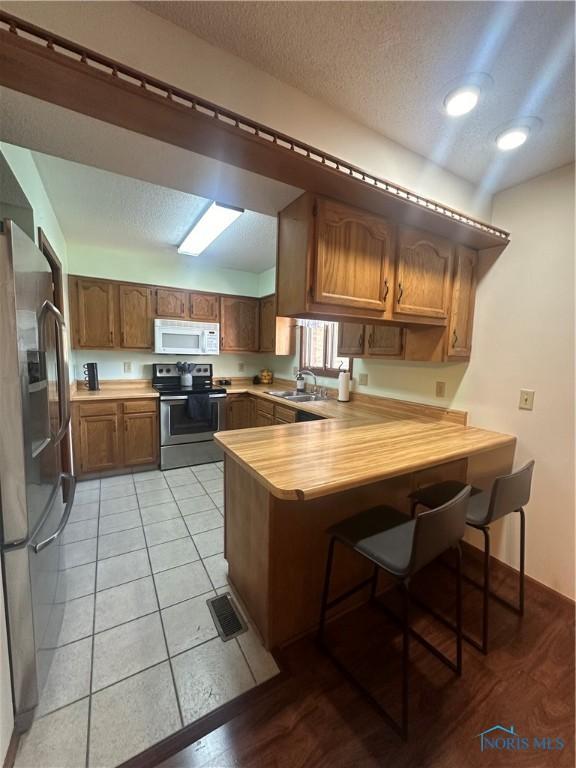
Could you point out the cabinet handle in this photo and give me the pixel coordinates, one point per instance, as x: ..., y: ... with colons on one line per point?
x: 182, y: 308
x: 386, y: 292
x: 370, y: 340
x: 111, y: 337
x: 361, y: 340
x: 400, y: 292
x: 454, y: 338
x: 221, y: 341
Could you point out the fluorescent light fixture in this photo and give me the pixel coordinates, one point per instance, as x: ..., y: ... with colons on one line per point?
x: 462, y: 100
x: 511, y: 138
x: 215, y: 219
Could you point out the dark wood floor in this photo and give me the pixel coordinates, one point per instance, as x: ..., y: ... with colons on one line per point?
x: 312, y: 717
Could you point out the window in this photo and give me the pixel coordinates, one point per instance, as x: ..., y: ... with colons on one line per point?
x: 319, y: 348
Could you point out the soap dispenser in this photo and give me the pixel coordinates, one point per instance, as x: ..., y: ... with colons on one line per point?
x: 300, y: 383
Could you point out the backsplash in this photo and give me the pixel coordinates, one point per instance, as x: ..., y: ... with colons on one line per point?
x: 111, y: 364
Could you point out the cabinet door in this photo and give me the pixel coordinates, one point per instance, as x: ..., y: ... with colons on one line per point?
x: 205, y: 307
x: 264, y: 419
x: 353, y: 252
x: 171, y: 303
x: 140, y: 438
x: 384, y: 341
x: 239, y: 411
x: 99, y: 443
x: 95, y: 314
x: 423, y: 275
x: 268, y: 324
x: 462, y: 307
x: 350, y: 339
x: 135, y: 317
x: 239, y: 324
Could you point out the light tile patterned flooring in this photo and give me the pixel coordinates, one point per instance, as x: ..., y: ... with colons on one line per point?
x: 138, y: 655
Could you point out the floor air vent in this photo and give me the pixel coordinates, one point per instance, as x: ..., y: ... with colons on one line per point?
x: 226, y: 617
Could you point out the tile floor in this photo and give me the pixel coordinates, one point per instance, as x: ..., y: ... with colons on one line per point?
x: 137, y: 655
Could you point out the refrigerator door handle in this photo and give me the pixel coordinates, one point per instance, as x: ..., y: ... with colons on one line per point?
x: 63, y: 388
x: 38, y: 547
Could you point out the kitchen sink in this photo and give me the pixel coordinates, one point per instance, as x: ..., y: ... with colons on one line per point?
x: 295, y: 397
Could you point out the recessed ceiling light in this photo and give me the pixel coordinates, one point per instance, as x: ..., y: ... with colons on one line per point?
x: 511, y: 138
x: 462, y: 100
x: 215, y: 219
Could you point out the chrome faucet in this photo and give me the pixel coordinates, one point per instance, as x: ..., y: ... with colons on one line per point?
x: 305, y: 371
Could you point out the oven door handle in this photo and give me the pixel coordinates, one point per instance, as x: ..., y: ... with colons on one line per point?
x: 177, y: 399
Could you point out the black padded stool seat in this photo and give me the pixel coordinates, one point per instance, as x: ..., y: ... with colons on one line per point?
x: 383, y: 534
x: 433, y: 496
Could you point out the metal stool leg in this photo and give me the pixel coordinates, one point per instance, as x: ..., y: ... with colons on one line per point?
x: 405, y: 657
x: 459, y: 610
x: 522, y: 558
x: 326, y: 590
x: 486, y: 591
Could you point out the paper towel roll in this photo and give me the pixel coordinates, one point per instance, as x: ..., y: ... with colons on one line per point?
x: 344, y: 386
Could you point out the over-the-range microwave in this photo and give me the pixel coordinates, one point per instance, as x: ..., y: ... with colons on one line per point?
x: 185, y: 337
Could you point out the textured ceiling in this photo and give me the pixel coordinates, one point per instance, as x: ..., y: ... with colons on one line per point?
x: 100, y: 208
x: 52, y: 130
x: 390, y: 64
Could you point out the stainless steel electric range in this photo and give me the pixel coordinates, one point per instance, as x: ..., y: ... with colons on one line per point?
x: 189, y: 415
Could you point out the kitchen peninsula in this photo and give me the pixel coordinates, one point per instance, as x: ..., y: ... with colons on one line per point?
x: 286, y: 484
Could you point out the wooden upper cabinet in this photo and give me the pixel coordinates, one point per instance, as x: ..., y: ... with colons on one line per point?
x: 384, y: 341
x: 94, y: 313
x: 462, y: 307
x: 423, y: 275
x: 350, y: 340
x: 171, y: 303
x: 239, y: 323
x: 204, y: 307
x: 268, y: 324
x: 353, y: 252
x: 134, y: 302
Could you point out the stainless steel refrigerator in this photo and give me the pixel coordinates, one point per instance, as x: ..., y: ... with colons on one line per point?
x: 34, y: 420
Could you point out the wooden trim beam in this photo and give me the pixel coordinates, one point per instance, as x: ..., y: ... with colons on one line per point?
x: 50, y: 68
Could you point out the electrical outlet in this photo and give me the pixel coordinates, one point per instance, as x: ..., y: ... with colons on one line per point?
x: 363, y: 379
x: 440, y: 389
x: 127, y: 367
x: 240, y: 367
x: 526, y: 400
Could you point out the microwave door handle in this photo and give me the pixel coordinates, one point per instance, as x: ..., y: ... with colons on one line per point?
x: 63, y: 388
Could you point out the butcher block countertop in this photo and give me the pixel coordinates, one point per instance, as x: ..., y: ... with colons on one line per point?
x: 114, y: 390
x: 358, y: 443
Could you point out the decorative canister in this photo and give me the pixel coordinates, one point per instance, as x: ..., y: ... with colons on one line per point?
x: 266, y: 376
x: 186, y: 379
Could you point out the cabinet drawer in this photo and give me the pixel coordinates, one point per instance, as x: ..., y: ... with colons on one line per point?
x: 264, y: 406
x: 140, y: 406
x: 284, y: 414
x: 101, y: 408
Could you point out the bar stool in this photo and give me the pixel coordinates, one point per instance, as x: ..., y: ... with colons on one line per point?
x: 510, y: 493
x: 401, y: 547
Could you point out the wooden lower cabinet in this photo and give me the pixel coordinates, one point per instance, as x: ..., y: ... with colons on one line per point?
x: 263, y: 419
x: 239, y: 412
x: 113, y: 434
x: 140, y: 433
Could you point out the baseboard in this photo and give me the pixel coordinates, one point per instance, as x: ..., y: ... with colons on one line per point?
x: 476, y: 553
x: 10, y: 756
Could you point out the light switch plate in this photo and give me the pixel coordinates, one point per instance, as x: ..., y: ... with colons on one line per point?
x: 363, y: 379
x: 127, y: 367
x: 526, y: 400
x: 440, y: 389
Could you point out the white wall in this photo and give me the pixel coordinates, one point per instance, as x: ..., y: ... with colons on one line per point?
x: 524, y: 339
